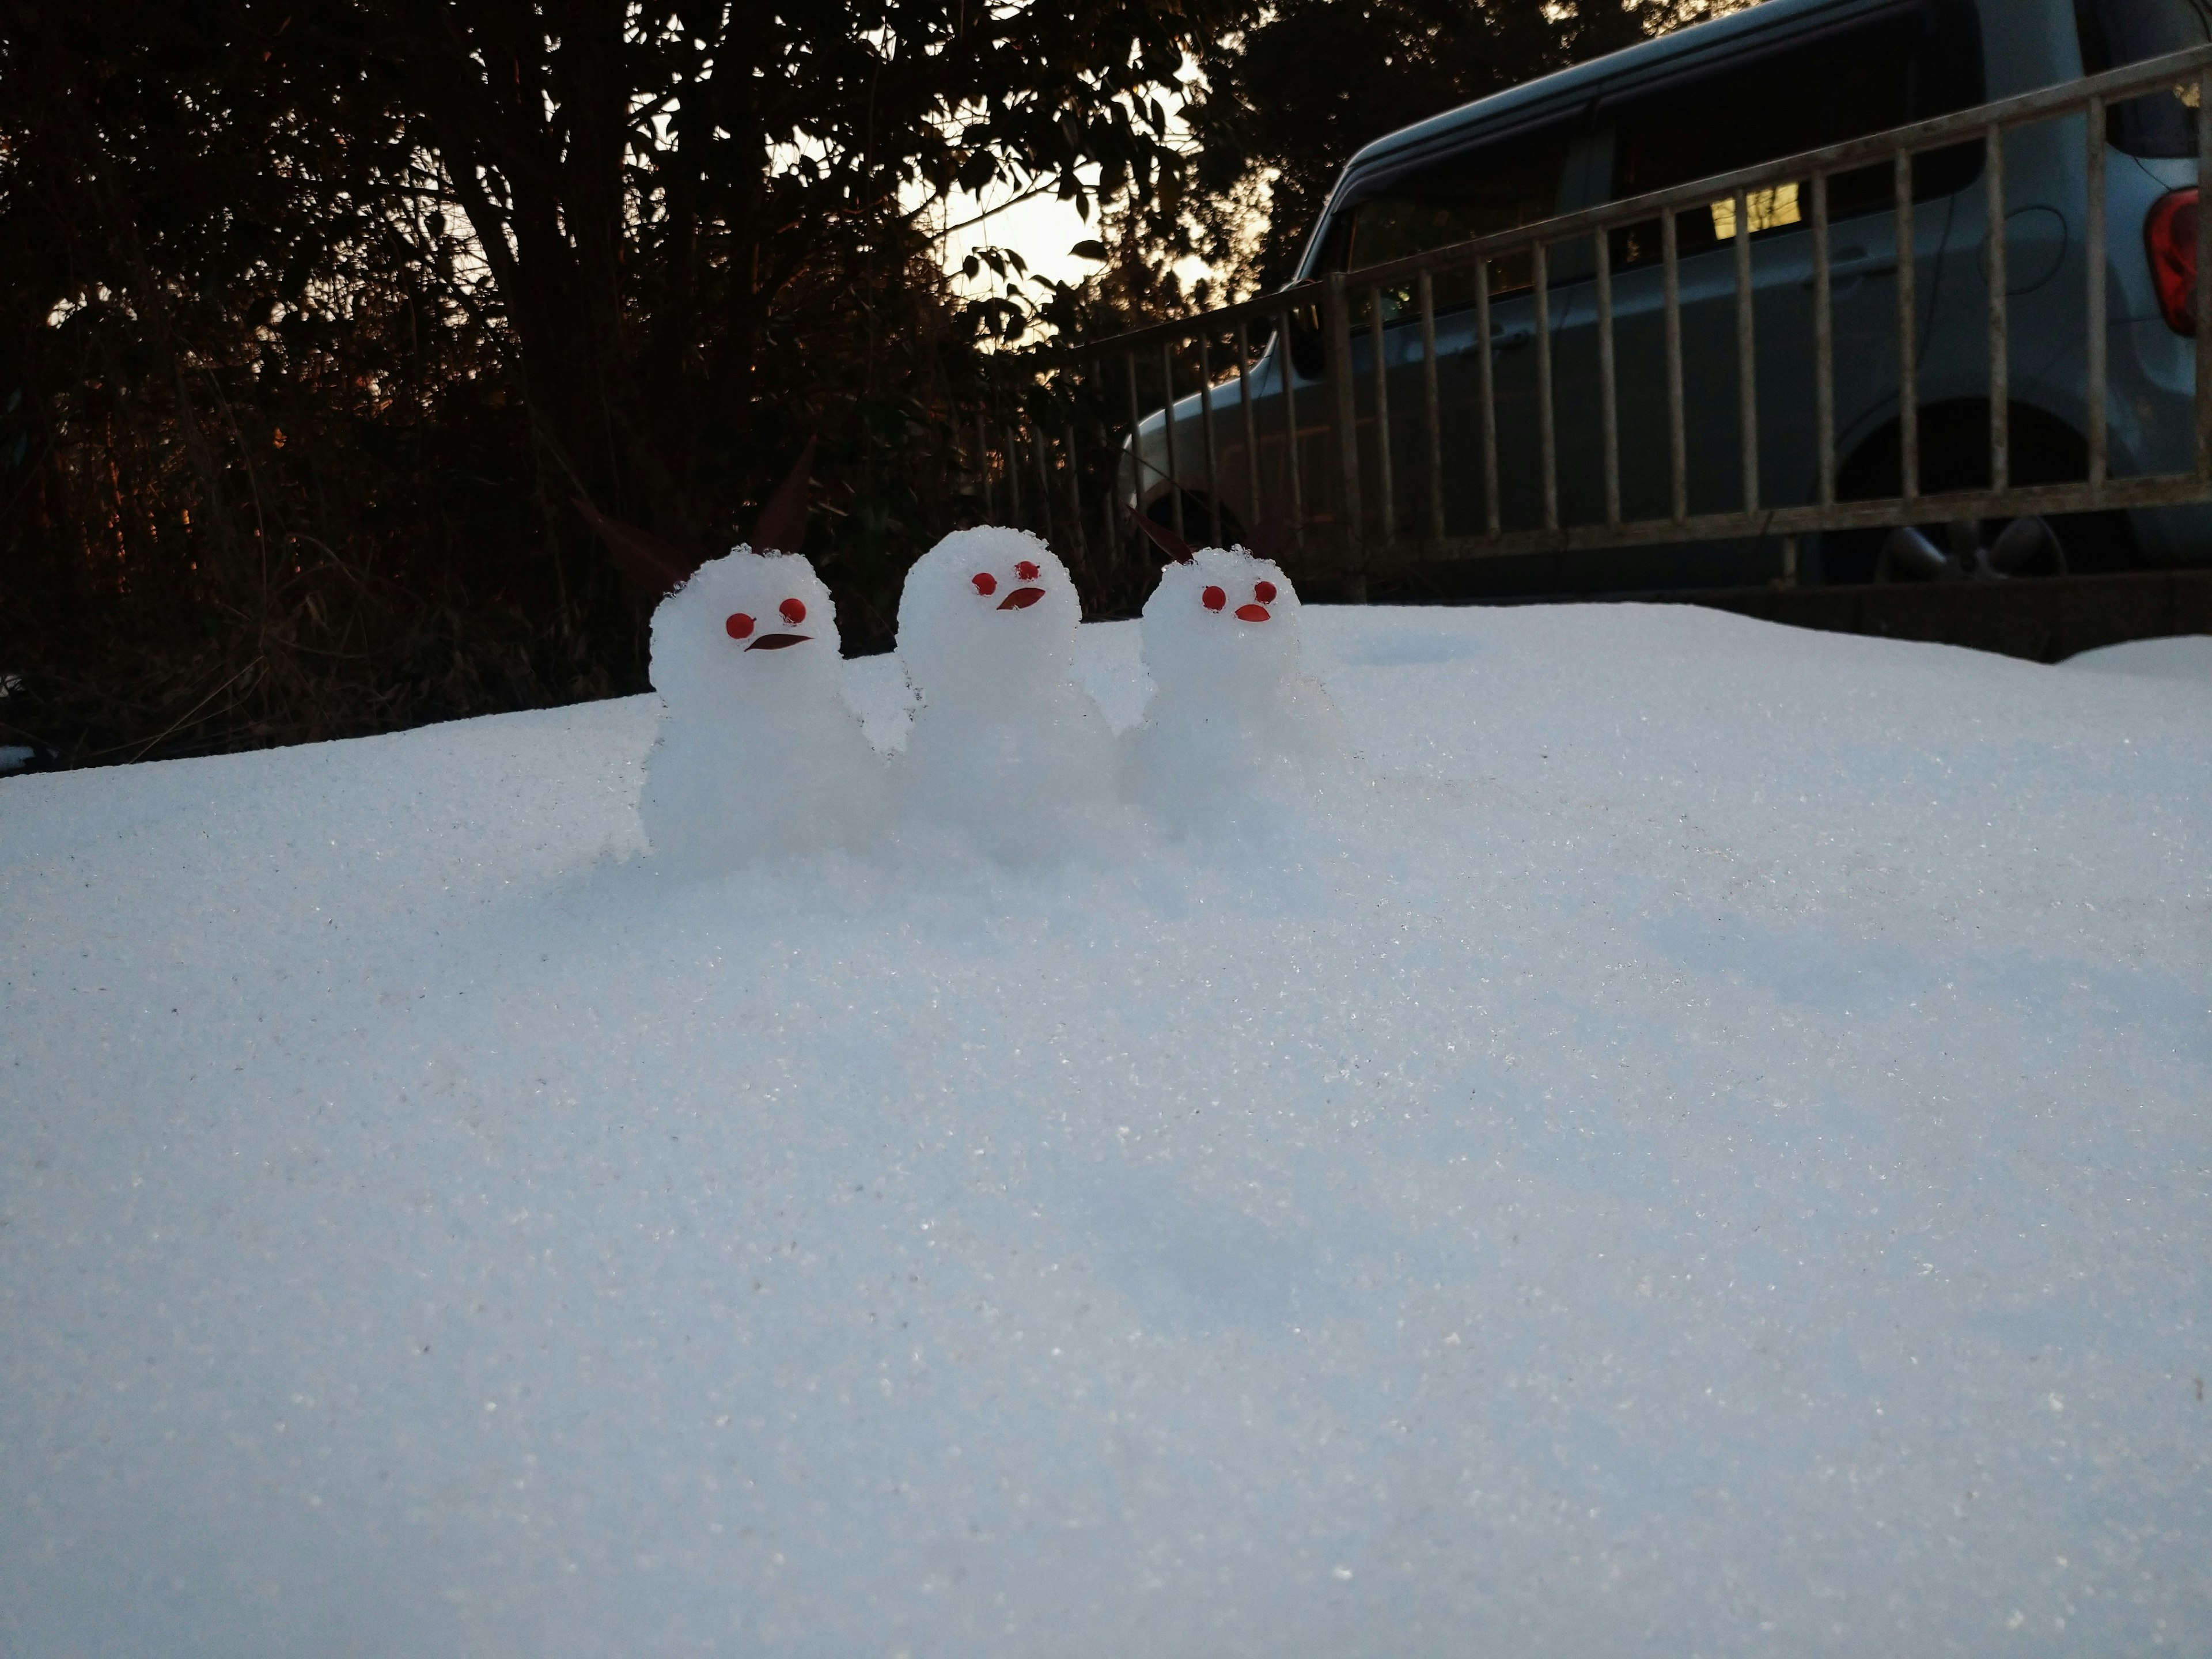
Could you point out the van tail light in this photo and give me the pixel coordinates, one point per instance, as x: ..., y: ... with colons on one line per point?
x: 2170, y: 237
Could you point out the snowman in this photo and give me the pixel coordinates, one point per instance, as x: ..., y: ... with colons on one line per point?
x: 758, y: 757
x: 1005, y: 749
x: 1233, y: 728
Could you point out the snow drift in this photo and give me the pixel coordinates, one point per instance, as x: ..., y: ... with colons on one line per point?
x: 1715, y: 1158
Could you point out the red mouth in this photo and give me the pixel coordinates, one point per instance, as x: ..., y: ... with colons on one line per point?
x: 1251, y: 613
x: 778, y: 641
x: 1021, y: 598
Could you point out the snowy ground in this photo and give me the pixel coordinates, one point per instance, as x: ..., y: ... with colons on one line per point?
x: 1714, y: 1157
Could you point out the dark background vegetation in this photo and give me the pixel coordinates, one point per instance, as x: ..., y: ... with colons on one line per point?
x: 315, y: 315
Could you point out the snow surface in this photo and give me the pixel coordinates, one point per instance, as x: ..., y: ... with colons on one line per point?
x: 2188, y: 656
x: 1715, y: 1159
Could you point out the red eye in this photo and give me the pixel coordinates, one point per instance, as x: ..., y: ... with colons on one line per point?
x: 1264, y: 591
x: 793, y: 611
x: 985, y: 582
x: 740, y: 626
x: 1026, y: 570
x: 1213, y: 598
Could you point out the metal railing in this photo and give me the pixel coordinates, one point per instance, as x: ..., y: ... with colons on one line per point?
x: 1346, y: 514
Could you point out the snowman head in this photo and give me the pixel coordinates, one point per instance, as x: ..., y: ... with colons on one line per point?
x: 1223, y: 622
x: 747, y: 628
x: 984, y: 610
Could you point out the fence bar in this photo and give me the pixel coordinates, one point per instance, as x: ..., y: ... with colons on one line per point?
x: 1252, y: 514
x: 1136, y: 444
x: 1109, y: 500
x: 1168, y: 433
x: 1746, y: 364
x: 1678, y: 461
x: 1012, y: 440
x: 1389, y: 536
x: 983, y: 463
x: 1295, y: 480
x: 1824, y: 344
x: 1432, y: 414
x: 1206, y: 420
x: 2202, y: 308
x: 1547, y: 438
x: 1041, y: 452
x: 1908, y: 307
x: 1347, y: 417
x: 2093, y: 237
x: 2000, y: 349
x: 1486, y: 354
x: 1608, y: 410
x: 1080, y: 536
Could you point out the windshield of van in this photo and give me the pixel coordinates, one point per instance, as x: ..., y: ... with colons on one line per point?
x: 2117, y: 33
x: 1478, y: 192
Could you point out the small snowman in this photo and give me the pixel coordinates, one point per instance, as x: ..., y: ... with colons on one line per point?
x: 759, y: 757
x: 1006, y: 749
x: 1234, y: 727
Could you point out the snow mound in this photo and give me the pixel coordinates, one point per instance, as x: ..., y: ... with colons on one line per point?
x: 2187, y: 658
x: 1720, y: 1164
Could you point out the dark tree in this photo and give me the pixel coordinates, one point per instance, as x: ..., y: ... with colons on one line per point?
x: 317, y: 314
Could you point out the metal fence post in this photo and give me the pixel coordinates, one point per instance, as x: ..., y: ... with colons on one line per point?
x: 1346, y: 421
x: 2093, y: 240
x: 2202, y: 308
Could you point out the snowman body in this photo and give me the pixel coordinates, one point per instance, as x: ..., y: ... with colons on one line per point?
x: 759, y: 757
x: 1235, y: 727
x: 1006, y: 750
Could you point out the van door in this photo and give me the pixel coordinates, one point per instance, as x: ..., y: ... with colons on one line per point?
x: 1901, y: 63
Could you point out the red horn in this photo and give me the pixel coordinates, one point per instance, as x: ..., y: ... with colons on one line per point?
x: 1166, y: 540
x: 782, y: 525
x: 1270, y: 537
x: 654, y: 565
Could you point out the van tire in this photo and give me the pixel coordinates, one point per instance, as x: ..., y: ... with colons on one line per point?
x: 1954, y: 454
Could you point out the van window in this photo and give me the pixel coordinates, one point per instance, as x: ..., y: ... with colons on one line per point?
x: 1906, y: 66
x: 2117, y: 33
x: 1477, y: 192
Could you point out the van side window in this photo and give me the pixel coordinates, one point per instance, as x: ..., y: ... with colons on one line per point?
x: 1906, y: 66
x: 2117, y: 32
x: 1477, y: 192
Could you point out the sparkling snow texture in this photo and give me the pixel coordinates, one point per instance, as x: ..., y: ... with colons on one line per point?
x: 1717, y: 1163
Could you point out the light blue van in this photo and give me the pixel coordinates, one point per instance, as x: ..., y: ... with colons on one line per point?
x: 1775, y: 80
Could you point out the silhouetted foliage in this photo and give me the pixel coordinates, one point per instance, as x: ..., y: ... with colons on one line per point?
x: 318, y: 315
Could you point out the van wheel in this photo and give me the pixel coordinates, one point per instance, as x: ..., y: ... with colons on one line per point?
x: 2018, y: 547
x: 1954, y: 454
